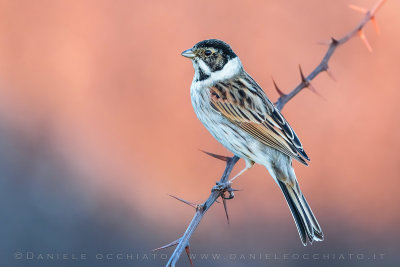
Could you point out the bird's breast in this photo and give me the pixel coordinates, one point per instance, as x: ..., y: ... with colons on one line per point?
x: 200, y: 97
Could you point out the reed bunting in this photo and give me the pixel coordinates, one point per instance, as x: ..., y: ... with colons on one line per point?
x: 237, y: 112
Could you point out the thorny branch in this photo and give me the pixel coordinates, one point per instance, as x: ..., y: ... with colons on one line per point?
x: 222, y: 186
x: 333, y: 44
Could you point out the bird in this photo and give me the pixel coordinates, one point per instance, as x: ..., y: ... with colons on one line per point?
x: 240, y: 116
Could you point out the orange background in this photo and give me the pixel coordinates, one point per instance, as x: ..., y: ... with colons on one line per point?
x: 97, y: 125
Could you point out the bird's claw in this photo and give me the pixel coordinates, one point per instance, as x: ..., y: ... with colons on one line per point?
x: 230, y: 196
x: 224, y: 187
x: 221, y: 186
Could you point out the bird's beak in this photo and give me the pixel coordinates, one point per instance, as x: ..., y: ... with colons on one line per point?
x: 188, y: 53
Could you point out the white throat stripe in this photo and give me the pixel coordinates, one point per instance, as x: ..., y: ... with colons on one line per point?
x: 231, y: 68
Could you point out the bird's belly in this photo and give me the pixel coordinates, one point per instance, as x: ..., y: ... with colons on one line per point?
x: 228, y: 134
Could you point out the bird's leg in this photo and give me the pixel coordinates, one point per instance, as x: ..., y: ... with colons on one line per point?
x: 226, y: 186
x: 249, y: 164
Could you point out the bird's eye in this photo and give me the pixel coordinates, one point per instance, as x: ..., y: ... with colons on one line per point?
x: 207, y: 52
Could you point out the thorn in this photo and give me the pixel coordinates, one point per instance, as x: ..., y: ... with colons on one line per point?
x: 331, y: 41
x: 277, y: 88
x: 376, y: 27
x: 173, y: 243
x: 364, y: 39
x: 225, y: 208
x: 220, y: 157
x: 358, y: 9
x: 324, y: 42
x: 307, y: 84
x: 187, y: 249
x: 334, y: 41
x: 303, y: 78
x: 234, y: 190
x: 200, y: 207
x: 186, y: 202
x: 312, y: 88
x: 328, y: 71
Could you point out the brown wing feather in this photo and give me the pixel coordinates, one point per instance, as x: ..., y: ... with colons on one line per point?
x: 244, y: 103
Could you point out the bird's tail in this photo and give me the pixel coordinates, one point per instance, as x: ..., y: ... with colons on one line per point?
x: 306, y: 223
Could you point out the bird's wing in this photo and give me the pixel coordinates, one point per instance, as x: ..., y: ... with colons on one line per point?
x: 242, y: 101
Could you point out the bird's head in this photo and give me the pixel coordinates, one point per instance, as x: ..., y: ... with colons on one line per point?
x: 213, y: 59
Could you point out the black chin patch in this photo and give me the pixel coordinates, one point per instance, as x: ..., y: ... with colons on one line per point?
x: 202, y: 75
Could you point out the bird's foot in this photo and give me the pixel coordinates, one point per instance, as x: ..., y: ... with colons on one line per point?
x: 224, y: 187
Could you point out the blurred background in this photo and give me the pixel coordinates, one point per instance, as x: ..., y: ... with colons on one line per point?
x: 97, y: 128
